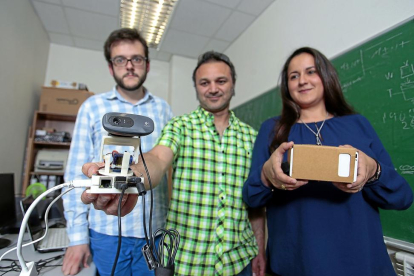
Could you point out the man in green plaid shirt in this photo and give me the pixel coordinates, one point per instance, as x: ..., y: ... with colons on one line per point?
x: 210, y: 150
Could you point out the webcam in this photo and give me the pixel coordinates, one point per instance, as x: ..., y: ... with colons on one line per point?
x: 127, y: 125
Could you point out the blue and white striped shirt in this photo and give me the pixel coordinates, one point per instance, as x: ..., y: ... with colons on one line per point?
x: 86, y: 146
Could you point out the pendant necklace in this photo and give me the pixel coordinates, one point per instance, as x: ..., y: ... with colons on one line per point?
x: 318, y: 133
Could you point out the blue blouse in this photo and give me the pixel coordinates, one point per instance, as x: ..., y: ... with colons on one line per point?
x: 317, y: 229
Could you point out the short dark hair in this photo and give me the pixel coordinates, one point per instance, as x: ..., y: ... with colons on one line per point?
x: 212, y: 56
x: 123, y: 34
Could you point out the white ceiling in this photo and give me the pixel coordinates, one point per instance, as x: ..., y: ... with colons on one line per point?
x: 195, y: 27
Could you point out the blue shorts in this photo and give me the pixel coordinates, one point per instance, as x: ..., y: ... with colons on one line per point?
x: 131, y: 262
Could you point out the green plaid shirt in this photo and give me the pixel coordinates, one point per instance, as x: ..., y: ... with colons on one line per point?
x: 207, y: 208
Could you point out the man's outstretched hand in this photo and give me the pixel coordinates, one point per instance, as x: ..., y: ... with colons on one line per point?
x: 107, y: 202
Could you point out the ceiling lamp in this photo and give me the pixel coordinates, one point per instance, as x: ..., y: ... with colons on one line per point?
x: 149, y: 17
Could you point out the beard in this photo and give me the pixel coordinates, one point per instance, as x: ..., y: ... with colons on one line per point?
x: 120, y: 81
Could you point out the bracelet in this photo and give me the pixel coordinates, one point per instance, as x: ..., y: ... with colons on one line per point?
x: 377, y: 173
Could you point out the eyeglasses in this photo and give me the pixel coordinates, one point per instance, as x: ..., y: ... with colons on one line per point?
x: 123, y: 61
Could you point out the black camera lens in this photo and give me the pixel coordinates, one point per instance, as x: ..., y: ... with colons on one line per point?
x: 116, y: 121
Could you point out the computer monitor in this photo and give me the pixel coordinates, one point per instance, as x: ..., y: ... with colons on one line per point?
x: 7, y: 205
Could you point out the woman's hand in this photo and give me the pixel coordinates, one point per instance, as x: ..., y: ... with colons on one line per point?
x: 273, y: 175
x: 367, y: 167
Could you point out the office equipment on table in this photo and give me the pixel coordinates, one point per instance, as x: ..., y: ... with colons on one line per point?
x: 52, y: 136
x: 56, y: 238
x: 51, y: 161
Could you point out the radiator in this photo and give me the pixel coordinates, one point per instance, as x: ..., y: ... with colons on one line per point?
x: 402, y: 256
x: 404, y: 264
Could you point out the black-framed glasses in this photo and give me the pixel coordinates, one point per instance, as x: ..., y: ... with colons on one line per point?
x: 123, y: 61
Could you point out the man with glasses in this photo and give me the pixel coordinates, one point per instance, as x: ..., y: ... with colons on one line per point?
x: 210, y: 150
x: 91, y: 231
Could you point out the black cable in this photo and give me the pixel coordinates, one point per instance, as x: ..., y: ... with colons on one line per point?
x: 144, y: 221
x: 124, y: 187
x: 152, y: 242
x: 41, y: 264
x: 173, y: 237
x: 174, y: 241
x: 13, y: 266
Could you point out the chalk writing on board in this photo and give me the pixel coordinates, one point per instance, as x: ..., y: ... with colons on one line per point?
x: 407, y: 70
x: 406, y: 169
x: 381, y: 50
x: 384, y: 51
x: 407, y: 82
x: 349, y: 83
x: 381, y: 42
x: 406, y: 119
x: 356, y: 65
x: 389, y: 76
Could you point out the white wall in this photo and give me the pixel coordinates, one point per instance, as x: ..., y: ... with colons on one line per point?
x: 329, y: 26
x: 90, y: 67
x: 158, y: 79
x: 24, y: 46
x: 78, y: 65
x: 182, y: 92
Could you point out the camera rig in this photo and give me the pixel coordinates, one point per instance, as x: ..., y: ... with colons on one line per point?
x: 124, y: 130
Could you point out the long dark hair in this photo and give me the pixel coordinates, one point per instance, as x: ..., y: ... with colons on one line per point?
x: 335, y: 102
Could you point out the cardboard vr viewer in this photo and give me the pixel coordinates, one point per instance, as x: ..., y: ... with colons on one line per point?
x: 323, y: 163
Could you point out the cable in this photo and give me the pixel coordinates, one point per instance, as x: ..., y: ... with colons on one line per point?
x: 151, y: 244
x: 174, y: 239
x: 44, y: 263
x: 144, y: 221
x: 46, y: 223
x: 13, y: 266
x: 72, y: 184
x: 41, y: 264
x: 156, y: 259
x: 124, y: 187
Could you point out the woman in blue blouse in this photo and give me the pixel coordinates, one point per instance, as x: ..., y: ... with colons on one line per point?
x: 322, y: 228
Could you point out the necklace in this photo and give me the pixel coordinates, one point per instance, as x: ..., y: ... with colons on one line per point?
x: 318, y: 133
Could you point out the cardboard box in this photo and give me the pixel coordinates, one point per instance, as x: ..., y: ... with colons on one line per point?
x: 323, y: 163
x: 68, y: 84
x: 62, y: 101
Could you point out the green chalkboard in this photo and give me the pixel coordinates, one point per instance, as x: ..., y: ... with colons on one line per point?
x: 377, y: 78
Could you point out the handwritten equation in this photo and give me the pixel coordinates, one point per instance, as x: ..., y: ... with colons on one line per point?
x: 385, y: 50
x: 406, y: 169
x: 406, y: 119
x: 363, y: 63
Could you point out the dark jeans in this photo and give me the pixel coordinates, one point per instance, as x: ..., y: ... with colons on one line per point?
x: 247, y: 271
